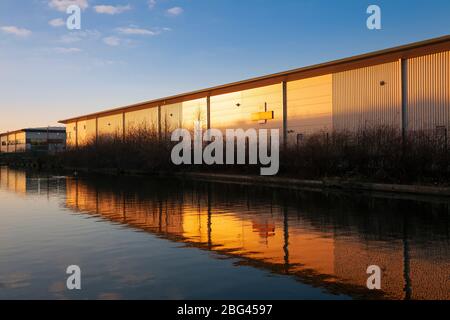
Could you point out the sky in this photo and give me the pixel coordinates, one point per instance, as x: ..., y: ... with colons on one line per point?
x: 129, y: 51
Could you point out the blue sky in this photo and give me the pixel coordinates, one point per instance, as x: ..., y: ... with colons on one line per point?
x: 130, y: 51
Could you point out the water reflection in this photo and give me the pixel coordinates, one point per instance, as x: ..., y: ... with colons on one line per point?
x: 325, y: 240
x: 26, y: 183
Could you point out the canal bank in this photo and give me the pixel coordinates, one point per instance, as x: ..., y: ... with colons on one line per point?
x: 30, y: 160
x: 325, y: 184
x: 283, y: 181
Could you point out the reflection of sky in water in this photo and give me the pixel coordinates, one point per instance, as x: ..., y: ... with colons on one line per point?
x: 137, y: 239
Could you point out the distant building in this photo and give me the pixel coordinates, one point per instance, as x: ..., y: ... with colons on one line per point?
x: 49, y: 139
x: 407, y: 88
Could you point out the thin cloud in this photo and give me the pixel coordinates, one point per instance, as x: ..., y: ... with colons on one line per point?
x: 57, y: 22
x: 137, y: 31
x: 62, y: 5
x: 67, y: 50
x: 175, y: 11
x: 19, y: 32
x: 151, y: 3
x: 112, y: 10
x: 112, y: 41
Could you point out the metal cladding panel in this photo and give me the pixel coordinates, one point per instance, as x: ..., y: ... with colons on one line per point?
x: 192, y: 111
x: 235, y: 110
x: 81, y: 132
x: 428, y: 92
x: 226, y: 111
x: 368, y: 97
x: 91, y: 130
x: 86, y: 131
x: 309, y: 106
x: 110, y: 126
x: 171, y: 115
x: 146, y: 119
x: 71, y: 139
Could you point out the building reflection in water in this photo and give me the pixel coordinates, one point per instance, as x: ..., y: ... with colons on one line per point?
x: 327, y: 240
x: 26, y: 183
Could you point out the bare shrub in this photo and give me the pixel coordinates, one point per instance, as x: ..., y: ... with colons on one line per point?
x: 379, y: 154
x: 143, y: 148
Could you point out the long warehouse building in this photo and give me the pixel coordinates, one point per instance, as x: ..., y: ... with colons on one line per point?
x: 405, y: 87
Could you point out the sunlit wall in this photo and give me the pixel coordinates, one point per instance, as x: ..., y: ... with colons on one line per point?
x: 411, y: 94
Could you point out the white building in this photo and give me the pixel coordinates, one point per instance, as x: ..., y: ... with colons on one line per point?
x: 49, y: 139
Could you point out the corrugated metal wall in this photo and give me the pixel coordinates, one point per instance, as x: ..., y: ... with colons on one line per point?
x: 146, y: 119
x: 91, y: 130
x: 71, y: 130
x: 194, y: 110
x: 234, y: 110
x: 110, y: 125
x: 367, y: 97
x: 309, y: 106
x: 350, y: 100
x: 81, y: 132
x: 86, y: 131
x: 171, y: 116
x: 428, y: 92
x: 226, y: 109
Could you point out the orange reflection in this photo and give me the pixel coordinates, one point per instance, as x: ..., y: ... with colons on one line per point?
x: 280, y: 239
x: 275, y: 241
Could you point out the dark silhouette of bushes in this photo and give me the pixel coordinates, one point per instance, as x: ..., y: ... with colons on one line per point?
x: 379, y: 154
x: 141, y: 150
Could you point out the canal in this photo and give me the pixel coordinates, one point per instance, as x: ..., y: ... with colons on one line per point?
x: 147, y: 238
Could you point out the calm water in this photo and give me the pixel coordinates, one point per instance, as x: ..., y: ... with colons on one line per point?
x: 149, y: 239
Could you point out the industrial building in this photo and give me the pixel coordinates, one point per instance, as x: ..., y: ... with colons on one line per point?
x: 48, y: 139
x: 405, y: 87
